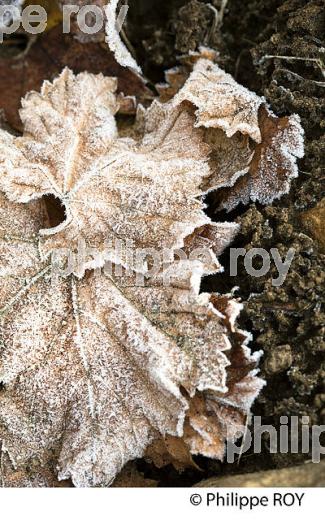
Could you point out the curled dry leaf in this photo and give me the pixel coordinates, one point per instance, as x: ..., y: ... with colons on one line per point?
x: 273, y: 164
x: 113, y: 38
x: 258, y: 150
x: 131, y: 477
x: 95, y: 366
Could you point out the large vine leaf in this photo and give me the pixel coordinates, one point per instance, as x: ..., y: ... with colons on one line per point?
x: 95, y: 366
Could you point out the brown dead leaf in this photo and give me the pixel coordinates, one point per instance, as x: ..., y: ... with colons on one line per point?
x: 170, y: 450
x: 313, y: 221
x: 45, y: 60
x: 113, y: 37
x: 267, y: 147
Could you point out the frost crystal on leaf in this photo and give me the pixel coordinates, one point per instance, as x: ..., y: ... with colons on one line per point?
x: 96, y: 368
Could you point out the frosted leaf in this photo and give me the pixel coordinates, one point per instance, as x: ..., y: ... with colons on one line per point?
x: 174, y: 81
x: 221, y: 102
x: 274, y: 163
x: 253, y: 153
x: 96, y: 366
x: 109, y: 185
x: 177, y: 76
x: 229, y: 158
x: 113, y: 38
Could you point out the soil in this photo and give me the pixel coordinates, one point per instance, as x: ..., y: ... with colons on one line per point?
x: 275, y: 48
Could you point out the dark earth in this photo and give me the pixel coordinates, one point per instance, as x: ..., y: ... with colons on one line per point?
x: 275, y: 48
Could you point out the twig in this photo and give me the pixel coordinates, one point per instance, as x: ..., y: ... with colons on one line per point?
x: 218, y: 14
x: 295, y: 75
x: 214, y: 23
x: 222, y: 10
x: 217, y: 20
x: 318, y: 61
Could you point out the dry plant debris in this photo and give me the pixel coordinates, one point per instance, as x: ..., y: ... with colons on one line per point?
x: 46, y: 59
x: 113, y: 37
x: 95, y: 367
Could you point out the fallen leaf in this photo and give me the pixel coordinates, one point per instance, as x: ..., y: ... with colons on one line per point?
x: 45, y: 60
x: 313, y: 221
x: 267, y: 147
x: 220, y: 101
x: 96, y: 366
x: 136, y: 202
x: 273, y: 165
x: 177, y: 76
x: 170, y: 450
x: 92, y: 368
